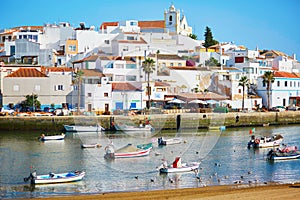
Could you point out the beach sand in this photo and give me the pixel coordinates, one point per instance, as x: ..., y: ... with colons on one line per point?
x: 231, y: 192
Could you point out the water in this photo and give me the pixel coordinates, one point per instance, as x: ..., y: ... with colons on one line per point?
x: 224, y: 160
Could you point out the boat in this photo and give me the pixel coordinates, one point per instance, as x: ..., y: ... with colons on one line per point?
x: 178, y: 167
x: 141, y: 128
x: 44, y: 137
x: 128, y: 151
x: 79, y: 128
x: 265, y: 142
x: 286, y: 153
x: 55, y: 178
x: 93, y: 145
x: 162, y: 141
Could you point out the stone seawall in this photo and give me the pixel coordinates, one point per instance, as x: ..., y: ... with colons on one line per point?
x: 159, y: 121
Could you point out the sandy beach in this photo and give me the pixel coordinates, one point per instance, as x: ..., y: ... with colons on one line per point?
x: 230, y: 192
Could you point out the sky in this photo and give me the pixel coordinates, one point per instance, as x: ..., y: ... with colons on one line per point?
x: 266, y: 24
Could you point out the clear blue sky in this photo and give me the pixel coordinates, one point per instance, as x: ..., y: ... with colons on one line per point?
x: 268, y: 24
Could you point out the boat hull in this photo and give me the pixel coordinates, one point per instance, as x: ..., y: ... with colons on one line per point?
x: 57, y: 178
x: 74, y: 128
x: 53, y: 137
x: 191, y: 168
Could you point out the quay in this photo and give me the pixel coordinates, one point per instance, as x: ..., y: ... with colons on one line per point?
x: 172, y: 121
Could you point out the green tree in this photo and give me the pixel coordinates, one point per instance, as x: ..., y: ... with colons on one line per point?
x: 148, y: 67
x: 209, y: 40
x: 31, y: 101
x: 193, y: 36
x: 268, y: 79
x: 77, y: 80
x: 212, y: 62
x: 244, y: 82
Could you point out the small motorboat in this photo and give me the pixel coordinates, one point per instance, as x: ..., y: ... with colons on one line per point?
x: 162, y: 141
x: 55, y: 178
x: 79, y: 128
x: 44, y: 137
x: 129, y: 128
x: 128, y: 151
x: 265, y: 142
x: 178, y: 167
x: 92, y: 145
x: 286, y: 153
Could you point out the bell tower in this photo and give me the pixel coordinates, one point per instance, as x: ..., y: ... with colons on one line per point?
x: 172, y: 19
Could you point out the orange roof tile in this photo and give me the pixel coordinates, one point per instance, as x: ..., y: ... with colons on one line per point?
x: 160, y: 84
x: 151, y: 24
x: 56, y: 69
x: 126, y: 86
x: 104, y: 25
x: 27, y: 72
x: 285, y: 74
x: 92, y: 72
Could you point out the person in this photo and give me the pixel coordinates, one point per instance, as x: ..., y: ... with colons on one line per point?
x: 141, y: 124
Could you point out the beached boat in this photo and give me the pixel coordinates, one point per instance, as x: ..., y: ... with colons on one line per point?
x: 79, y: 128
x: 44, y: 137
x: 286, y: 153
x: 265, y: 142
x: 178, y: 167
x: 128, y: 151
x: 141, y: 128
x: 55, y: 178
x: 93, y: 145
x: 162, y: 141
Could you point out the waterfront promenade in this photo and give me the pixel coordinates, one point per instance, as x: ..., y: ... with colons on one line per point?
x: 159, y: 121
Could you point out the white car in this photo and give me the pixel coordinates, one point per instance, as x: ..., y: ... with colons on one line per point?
x: 6, y: 111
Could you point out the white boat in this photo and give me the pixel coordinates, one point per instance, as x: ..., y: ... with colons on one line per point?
x: 162, y: 141
x: 141, y: 128
x: 55, y: 178
x: 286, y: 153
x: 79, y: 128
x: 93, y: 145
x: 265, y: 142
x: 178, y: 167
x: 44, y: 137
x: 128, y: 151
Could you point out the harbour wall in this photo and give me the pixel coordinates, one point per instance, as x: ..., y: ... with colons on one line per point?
x: 158, y: 121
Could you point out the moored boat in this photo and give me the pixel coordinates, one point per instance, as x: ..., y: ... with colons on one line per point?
x: 178, y: 167
x: 79, y: 128
x: 44, y: 137
x: 141, y: 128
x: 286, y: 153
x: 162, y: 141
x: 92, y: 145
x: 55, y: 178
x: 265, y: 142
x: 128, y: 151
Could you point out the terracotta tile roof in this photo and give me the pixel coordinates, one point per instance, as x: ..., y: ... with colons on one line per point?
x: 160, y: 84
x: 56, y: 69
x: 92, y: 72
x: 127, y: 86
x: 285, y: 74
x: 183, y: 67
x: 104, y: 25
x: 91, y: 58
x: 166, y: 56
x: 201, y: 96
x: 151, y: 24
x: 141, y: 41
x: 27, y: 72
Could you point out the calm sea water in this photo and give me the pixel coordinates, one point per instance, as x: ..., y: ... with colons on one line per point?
x: 224, y: 158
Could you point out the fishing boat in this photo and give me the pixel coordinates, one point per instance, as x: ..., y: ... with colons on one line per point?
x: 141, y: 128
x: 286, y: 153
x: 128, y: 151
x: 178, y: 167
x: 55, y: 178
x: 93, y: 145
x: 162, y: 141
x: 265, y: 142
x: 44, y: 137
x: 79, y: 128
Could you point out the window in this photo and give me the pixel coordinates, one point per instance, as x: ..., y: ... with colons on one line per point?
x: 72, y: 47
x: 105, y: 94
x: 130, y: 38
x: 291, y: 84
x: 170, y: 19
x: 171, y: 64
x: 106, y: 41
x: 89, y: 94
x: 119, y: 66
x: 278, y: 83
x: 285, y: 83
x: 119, y: 78
x: 16, y: 88
x: 179, y: 64
x: 125, y: 48
x: 160, y: 89
x: 59, y: 87
x: 133, y: 24
x: 130, y: 78
x: 240, y: 91
x: 9, y: 71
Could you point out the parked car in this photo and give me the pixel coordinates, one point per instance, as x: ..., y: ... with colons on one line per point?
x: 292, y: 107
x: 279, y: 109
x: 4, y: 111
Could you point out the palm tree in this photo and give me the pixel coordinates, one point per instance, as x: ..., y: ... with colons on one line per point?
x: 77, y: 81
x: 148, y: 67
x: 244, y: 82
x: 268, y: 79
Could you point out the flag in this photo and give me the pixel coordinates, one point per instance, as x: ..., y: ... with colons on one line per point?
x: 252, y: 131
